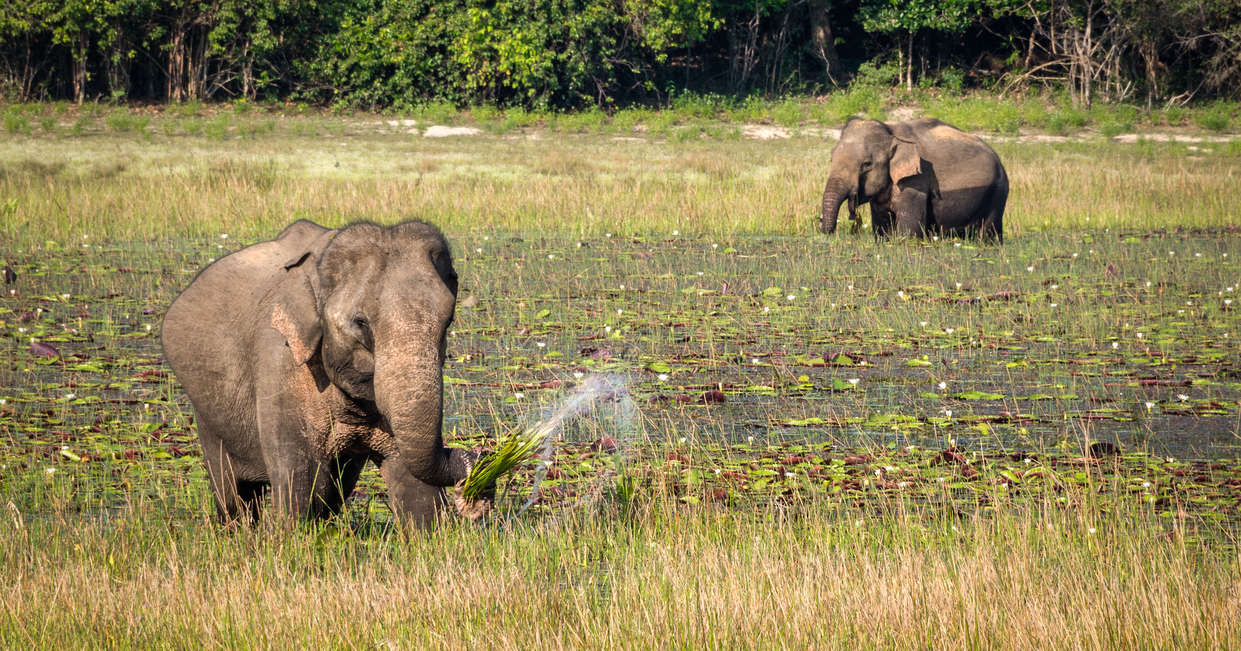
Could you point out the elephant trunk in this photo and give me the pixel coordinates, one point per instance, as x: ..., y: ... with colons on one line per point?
x: 409, y: 392
x: 834, y: 194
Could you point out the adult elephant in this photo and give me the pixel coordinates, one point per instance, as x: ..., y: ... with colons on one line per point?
x: 922, y: 176
x: 309, y: 355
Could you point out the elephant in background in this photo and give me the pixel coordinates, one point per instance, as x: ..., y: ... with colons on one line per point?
x: 920, y: 177
x: 309, y: 355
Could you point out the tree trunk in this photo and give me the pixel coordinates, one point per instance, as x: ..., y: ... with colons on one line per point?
x: 909, y: 61
x: 822, y: 41
x: 176, y: 64
x: 79, y: 67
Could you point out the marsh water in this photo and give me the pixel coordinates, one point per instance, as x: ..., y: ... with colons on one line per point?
x: 1053, y: 339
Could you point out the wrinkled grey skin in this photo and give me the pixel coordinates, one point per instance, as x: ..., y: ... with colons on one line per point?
x: 309, y: 355
x: 920, y: 177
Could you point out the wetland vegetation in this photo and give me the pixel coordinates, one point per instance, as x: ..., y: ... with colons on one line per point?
x: 836, y: 441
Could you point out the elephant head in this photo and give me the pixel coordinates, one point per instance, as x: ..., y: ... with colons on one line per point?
x: 867, y: 161
x: 375, y: 308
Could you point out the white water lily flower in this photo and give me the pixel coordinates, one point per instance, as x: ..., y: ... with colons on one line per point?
x: 1149, y: 405
x: 942, y: 385
x: 49, y: 470
x: 70, y: 396
x: 924, y: 323
x: 754, y: 360
x: 540, y: 344
x: 853, y: 381
x: 577, y: 375
x: 1115, y: 344
x: 224, y: 236
x: 619, y: 311
x: 663, y: 377
x: 1182, y: 397
x: 1030, y: 268
x: 683, y: 439
x: 791, y: 297
x: 519, y: 395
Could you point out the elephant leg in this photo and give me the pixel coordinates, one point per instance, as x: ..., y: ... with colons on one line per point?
x: 344, y: 477
x: 413, y: 500
x: 909, y: 208
x: 313, y: 489
x: 881, y: 221
x: 992, y: 227
x: 235, y: 499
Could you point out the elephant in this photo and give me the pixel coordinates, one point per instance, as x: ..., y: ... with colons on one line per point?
x: 920, y: 177
x: 307, y: 356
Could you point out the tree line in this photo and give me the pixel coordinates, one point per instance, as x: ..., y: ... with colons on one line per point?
x: 574, y: 53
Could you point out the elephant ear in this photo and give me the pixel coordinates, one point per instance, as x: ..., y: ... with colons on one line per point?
x: 906, y: 160
x: 295, y: 309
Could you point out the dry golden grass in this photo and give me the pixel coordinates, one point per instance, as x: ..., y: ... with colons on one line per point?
x: 130, y: 188
x: 821, y: 577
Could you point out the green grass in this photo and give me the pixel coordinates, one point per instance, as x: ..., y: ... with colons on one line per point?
x: 361, y: 167
x: 837, y: 442
x: 810, y: 575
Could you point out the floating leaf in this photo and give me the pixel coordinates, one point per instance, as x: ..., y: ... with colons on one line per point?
x: 773, y: 292
x: 973, y: 394
x: 658, y: 367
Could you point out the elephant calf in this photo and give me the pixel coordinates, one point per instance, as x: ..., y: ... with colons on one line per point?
x: 309, y: 355
x: 920, y: 177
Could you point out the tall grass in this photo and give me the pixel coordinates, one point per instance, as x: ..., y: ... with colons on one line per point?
x: 815, y: 574
x: 713, y: 183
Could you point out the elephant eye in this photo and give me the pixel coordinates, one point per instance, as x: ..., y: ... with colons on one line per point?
x: 866, y: 164
x: 364, y: 330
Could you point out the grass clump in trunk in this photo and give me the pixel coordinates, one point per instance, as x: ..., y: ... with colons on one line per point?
x: 512, y: 451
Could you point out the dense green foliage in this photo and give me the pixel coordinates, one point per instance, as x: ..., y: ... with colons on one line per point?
x: 574, y: 53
